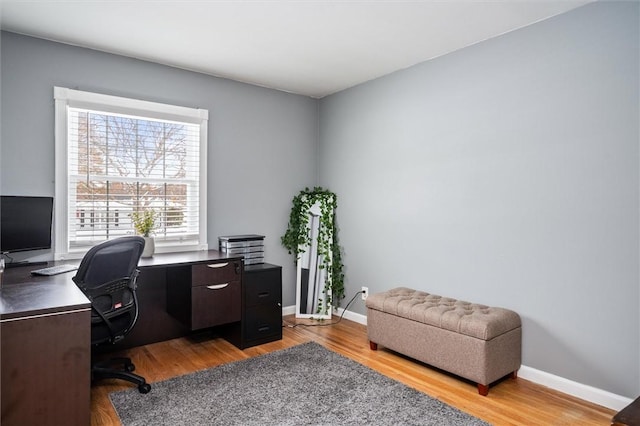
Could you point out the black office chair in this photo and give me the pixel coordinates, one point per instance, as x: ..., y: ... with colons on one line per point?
x: 107, y: 276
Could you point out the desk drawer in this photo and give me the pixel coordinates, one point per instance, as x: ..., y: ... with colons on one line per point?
x: 204, y: 295
x: 263, y: 321
x: 215, y: 304
x: 215, y: 273
x: 263, y: 292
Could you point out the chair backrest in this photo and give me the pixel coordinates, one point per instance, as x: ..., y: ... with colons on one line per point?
x: 107, y: 276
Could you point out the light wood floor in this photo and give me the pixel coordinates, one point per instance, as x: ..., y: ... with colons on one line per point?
x: 510, y: 402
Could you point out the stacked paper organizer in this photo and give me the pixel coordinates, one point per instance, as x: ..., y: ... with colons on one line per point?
x: 251, y: 246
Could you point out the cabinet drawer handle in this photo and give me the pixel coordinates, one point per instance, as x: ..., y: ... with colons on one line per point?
x: 264, y: 328
x: 263, y: 294
x: 218, y: 265
x: 217, y: 286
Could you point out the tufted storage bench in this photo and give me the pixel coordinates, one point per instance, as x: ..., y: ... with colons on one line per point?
x: 477, y: 342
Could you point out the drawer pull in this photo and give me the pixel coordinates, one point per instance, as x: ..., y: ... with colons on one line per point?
x: 218, y: 265
x: 217, y: 286
x: 264, y: 328
x: 263, y: 294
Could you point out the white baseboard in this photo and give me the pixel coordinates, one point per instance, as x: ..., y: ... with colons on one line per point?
x: 579, y: 390
x: 288, y: 310
x: 355, y: 317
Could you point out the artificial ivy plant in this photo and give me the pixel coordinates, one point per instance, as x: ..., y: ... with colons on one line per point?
x: 298, y: 236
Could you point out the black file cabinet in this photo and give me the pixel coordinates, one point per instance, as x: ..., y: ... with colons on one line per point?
x: 261, y: 307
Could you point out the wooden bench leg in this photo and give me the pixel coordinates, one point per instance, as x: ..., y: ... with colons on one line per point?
x: 373, y: 346
x: 483, y: 389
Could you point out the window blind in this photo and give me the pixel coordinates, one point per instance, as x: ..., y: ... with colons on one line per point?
x: 121, y: 163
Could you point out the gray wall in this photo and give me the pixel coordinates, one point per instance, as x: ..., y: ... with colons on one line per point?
x: 262, y: 143
x: 506, y: 173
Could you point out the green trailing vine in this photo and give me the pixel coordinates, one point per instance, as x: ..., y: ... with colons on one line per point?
x: 298, y: 236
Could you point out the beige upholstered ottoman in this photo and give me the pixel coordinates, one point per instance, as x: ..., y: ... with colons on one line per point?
x: 477, y: 342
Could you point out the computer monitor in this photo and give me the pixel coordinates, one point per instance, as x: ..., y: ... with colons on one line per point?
x: 25, y: 223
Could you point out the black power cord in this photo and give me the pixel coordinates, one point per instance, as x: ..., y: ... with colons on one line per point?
x: 328, y: 323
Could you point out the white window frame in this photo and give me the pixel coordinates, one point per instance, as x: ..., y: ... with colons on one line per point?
x: 69, y: 98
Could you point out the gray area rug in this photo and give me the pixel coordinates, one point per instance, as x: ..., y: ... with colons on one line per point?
x: 303, y: 385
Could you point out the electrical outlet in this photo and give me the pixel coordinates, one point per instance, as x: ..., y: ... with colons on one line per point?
x: 365, y: 293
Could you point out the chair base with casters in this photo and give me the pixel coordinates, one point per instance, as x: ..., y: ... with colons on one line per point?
x: 106, y: 369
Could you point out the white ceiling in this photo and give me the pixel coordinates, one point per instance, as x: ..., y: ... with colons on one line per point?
x: 313, y: 48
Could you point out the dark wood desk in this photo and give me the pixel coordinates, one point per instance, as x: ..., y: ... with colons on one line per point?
x: 155, y: 323
x: 45, y: 353
x: 45, y: 337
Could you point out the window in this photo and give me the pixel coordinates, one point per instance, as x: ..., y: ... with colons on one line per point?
x: 115, y: 156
